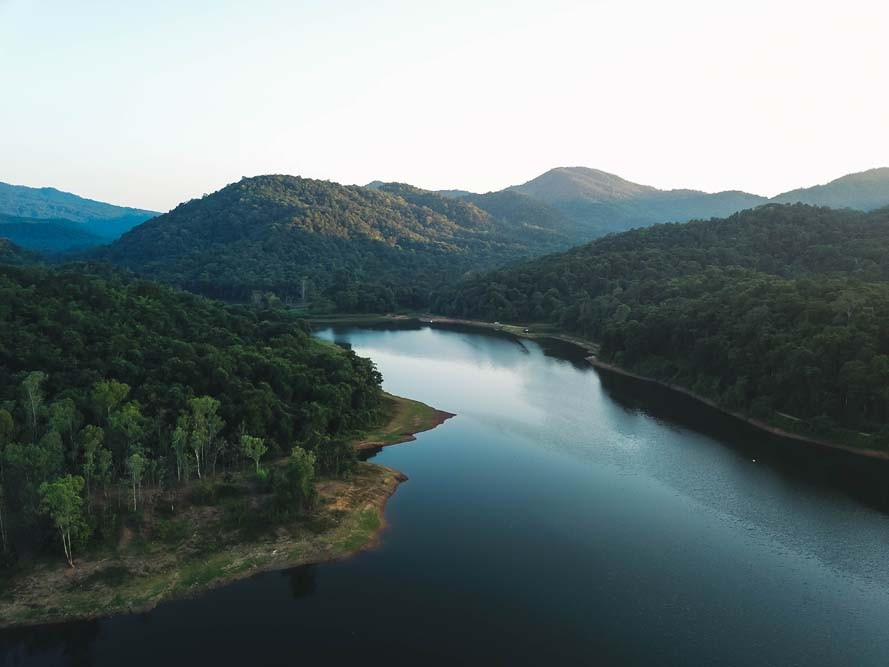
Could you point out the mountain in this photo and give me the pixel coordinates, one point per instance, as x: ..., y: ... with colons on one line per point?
x: 10, y: 253
x: 99, y: 219
x: 357, y: 248
x: 865, y: 190
x: 774, y: 311
x: 607, y: 203
x: 48, y: 235
x: 526, y: 212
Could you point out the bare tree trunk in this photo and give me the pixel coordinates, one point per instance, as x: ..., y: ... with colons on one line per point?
x: 66, y: 545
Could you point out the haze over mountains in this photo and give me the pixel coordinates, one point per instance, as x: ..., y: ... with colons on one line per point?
x: 604, y: 203
x: 50, y: 220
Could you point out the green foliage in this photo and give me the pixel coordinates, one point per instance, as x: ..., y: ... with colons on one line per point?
x: 253, y: 448
x: 358, y: 249
x: 128, y: 384
x: 293, y: 483
x: 780, y: 309
x: 12, y: 253
x: 62, y: 502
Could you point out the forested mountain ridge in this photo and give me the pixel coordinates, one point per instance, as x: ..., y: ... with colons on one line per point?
x: 358, y: 248
x: 866, y: 190
x: 48, y: 235
x: 98, y: 218
x: 598, y: 202
x: 508, y: 215
x: 606, y: 203
x: 776, y: 310
x: 10, y: 253
x: 110, y: 380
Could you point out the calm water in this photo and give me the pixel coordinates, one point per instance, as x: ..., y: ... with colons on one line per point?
x: 563, y: 517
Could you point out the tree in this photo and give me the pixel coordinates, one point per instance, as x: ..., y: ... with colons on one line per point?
x: 180, y: 440
x: 205, y: 427
x: 129, y: 423
x: 32, y: 397
x: 7, y: 431
x: 64, y: 419
x: 61, y: 501
x: 294, y: 483
x: 91, y: 438
x: 107, y: 395
x: 136, y: 465
x: 253, y: 448
x: 2, y: 523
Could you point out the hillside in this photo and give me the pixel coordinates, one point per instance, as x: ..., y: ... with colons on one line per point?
x: 125, y: 384
x: 358, y: 248
x: 10, y: 253
x: 775, y: 310
x: 48, y: 235
x: 98, y: 218
x: 865, y: 191
x: 607, y: 203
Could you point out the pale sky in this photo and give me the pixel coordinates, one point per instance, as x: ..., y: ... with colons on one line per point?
x: 151, y: 103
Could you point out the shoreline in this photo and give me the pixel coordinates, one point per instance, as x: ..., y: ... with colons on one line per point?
x: 761, y: 425
x: 409, y: 418
x: 592, y: 349
x: 349, y: 519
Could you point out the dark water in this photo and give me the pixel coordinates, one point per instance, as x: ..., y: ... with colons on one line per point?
x: 562, y: 517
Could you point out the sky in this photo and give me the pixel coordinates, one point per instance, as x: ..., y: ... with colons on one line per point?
x: 151, y: 104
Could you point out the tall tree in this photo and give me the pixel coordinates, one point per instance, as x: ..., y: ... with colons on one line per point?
x: 32, y: 397
x: 253, y: 448
x: 62, y: 502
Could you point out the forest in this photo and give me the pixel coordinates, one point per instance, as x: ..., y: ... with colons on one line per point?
x: 780, y: 312
x: 113, y: 388
x: 354, y: 249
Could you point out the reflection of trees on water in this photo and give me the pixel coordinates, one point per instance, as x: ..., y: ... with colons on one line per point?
x: 302, y: 581
x: 866, y: 480
x: 66, y: 643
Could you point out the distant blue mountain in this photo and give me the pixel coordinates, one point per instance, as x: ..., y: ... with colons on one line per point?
x: 72, y: 222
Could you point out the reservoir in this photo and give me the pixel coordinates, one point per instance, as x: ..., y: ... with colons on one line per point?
x: 564, y: 516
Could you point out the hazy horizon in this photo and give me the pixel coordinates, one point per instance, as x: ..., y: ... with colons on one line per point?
x: 151, y: 106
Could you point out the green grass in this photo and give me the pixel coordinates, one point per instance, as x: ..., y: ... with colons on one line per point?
x: 403, y: 418
x: 365, y: 527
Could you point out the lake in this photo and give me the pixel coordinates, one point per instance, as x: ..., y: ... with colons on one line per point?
x: 564, y: 516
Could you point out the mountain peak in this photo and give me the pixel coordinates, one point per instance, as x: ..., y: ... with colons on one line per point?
x: 563, y: 184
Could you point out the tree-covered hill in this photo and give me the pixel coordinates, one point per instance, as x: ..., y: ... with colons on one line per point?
x: 865, y: 191
x: 48, y: 235
x: 358, y: 248
x: 604, y: 202
x: 106, y: 221
x: 778, y: 310
x: 10, y: 253
x: 115, y: 380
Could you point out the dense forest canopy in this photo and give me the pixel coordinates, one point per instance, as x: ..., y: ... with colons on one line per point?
x: 10, y: 253
x: 370, y: 249
x: 115, y: 381
x: 780, y: 309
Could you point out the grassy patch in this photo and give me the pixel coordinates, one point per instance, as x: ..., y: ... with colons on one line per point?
x: 404, y: 418
x: 201, y: 573
x: 366, y: 526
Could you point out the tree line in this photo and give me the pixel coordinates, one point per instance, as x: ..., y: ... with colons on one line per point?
x: 112, y: 386
x: 778, y: 311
